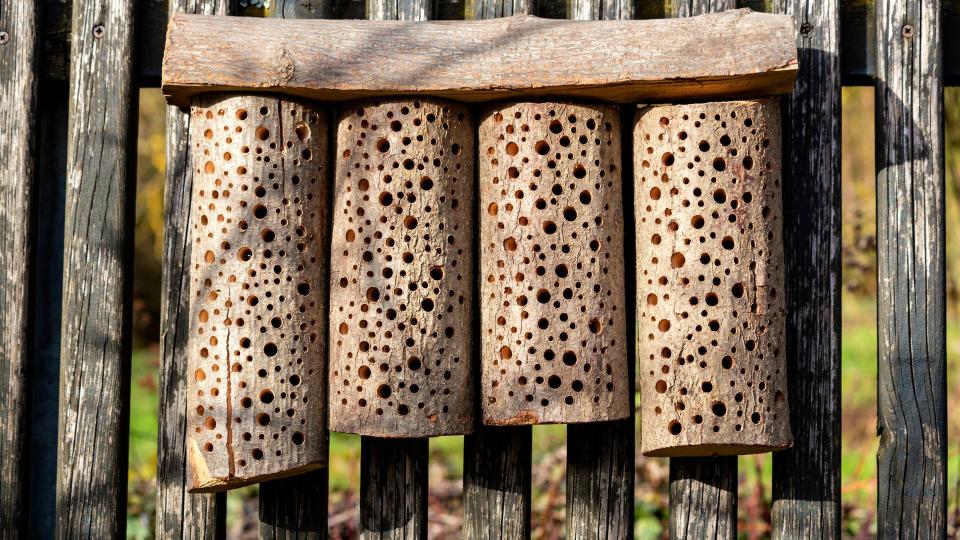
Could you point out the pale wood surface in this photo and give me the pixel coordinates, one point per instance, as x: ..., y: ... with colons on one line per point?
x: 551, y: 234
x: 710, y: 279
x: 911, y: 262
x: 401, y: 298
x: 18, y: 98
x: 806, y: 477
x: 738, y: 53
x: 97, y: 274
x: 256, y: 391
x: 180, y: 514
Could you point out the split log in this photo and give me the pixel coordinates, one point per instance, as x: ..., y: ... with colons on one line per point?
x: 402, y: 270
x: 734, y: 54
x: 256, y: 386
x: 553, y: 324
x: 711, y: 350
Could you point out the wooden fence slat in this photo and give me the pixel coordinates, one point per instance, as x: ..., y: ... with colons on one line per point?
x: 911, y: 310
x: 18, y: 98
x: 296, y: 507
x: 496, y: 483
x: 703, y: 497
x: 806, y: 478
x: 393, y: 488
x: 600, y: 456
x: 393, y: 472
x: 180, y: 514
x: 497, y: 460
x: 703, y: 491
x: 97, y: 280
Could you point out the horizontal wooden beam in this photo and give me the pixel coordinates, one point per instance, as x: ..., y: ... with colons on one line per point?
x: 733, y: 54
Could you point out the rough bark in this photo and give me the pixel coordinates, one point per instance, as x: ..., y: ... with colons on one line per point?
x: 97, y: 280
x: 401, y: 303
x: 911, y: 295
x: 738, y: 53
x: 710, y: 279
x: 256, y: 390
x: 551, y: 234
x: 18, y: 98
x: 806, y: 477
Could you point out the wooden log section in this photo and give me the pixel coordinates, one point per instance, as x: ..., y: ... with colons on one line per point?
x: 402, y: 270
x: 256, y: 386
x: 734, y: 54
x: 554, y: 346
x: 710, y: 279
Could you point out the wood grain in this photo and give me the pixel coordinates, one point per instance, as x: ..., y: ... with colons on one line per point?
x: 97, y: 282
x: 748, y: 54
x: 497, y: 460
x: 600, y: 456
x: 18, y: 99
x: 703, y: 497
x: 179, y: 514
x: 911, y: 312
x: 393, y: 472
x: 806, y: 477
x: 695, y: 481
x: 496, y: 483
x: 393, y: 488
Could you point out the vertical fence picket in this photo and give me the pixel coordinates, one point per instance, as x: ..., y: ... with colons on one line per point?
x: 600, y: 456
x: 296, y: 507
x: 703, y: 491
x: 19, y: 70
x: 806, y: 478
x: 497, y: 460
x: 179, y: 514
x: 393, y: 472
x: 97, y: 280
x: 911, y: 310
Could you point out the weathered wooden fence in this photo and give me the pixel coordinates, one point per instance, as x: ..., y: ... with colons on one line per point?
x: 69, y: 75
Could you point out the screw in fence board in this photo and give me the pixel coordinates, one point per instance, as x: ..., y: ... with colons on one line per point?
x: 19, y: 72
x: 911, y: 310
x: 393, y: 473
x: 806, y: 477
x: 715, y: 479
x: 600, y: 487
x: 180, y: 514
x: 497, y: 459
x: 97, y: 280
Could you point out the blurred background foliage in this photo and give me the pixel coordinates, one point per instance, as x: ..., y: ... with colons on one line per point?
x: 859, y: 349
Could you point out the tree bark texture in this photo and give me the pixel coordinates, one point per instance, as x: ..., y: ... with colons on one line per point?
x: 256, y: 391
